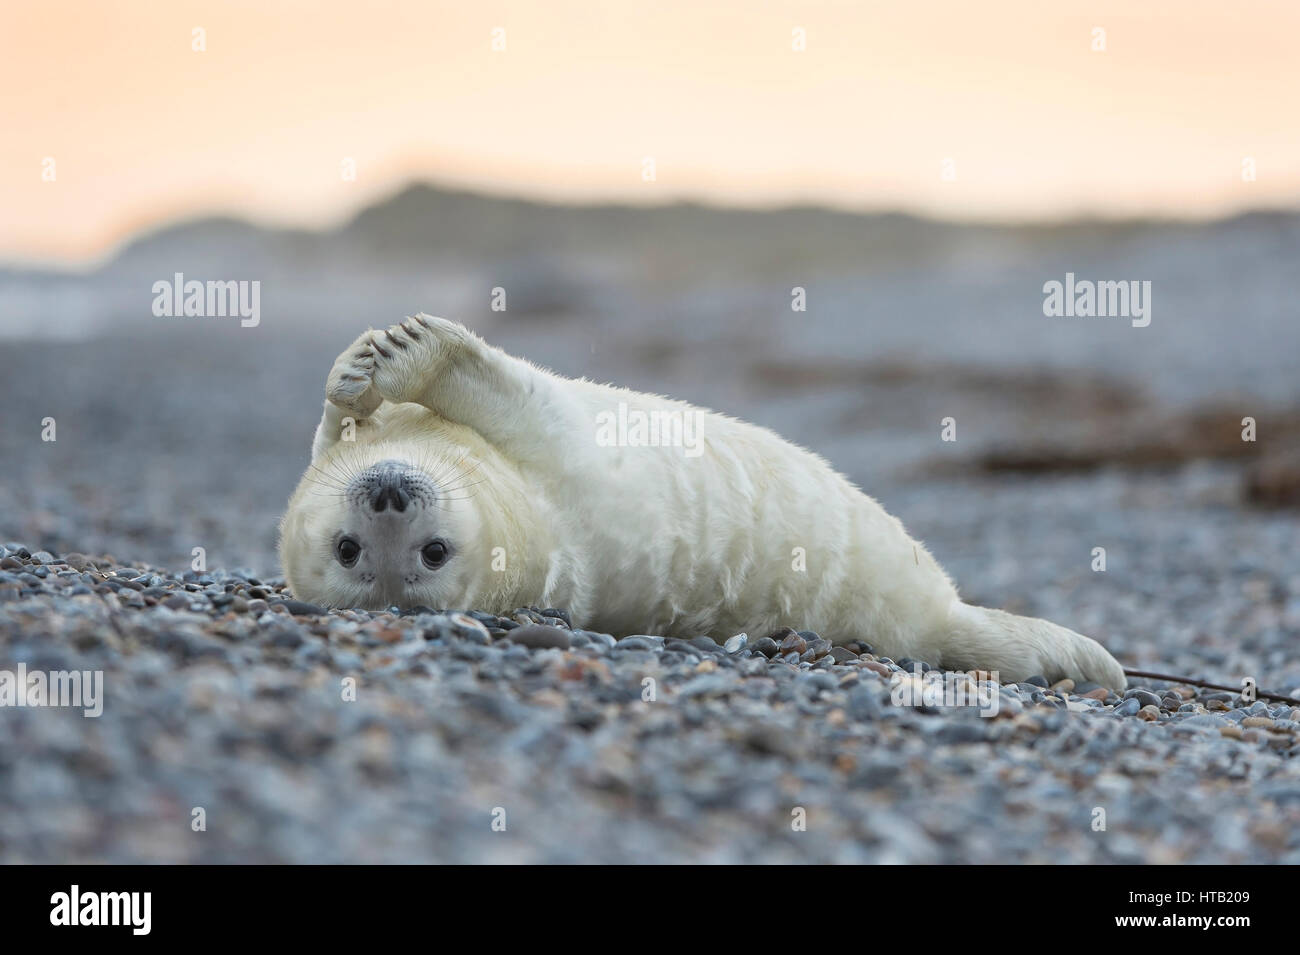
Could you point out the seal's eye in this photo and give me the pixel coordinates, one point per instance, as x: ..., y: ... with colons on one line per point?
x: 434, y: 554
x: 347, y: 550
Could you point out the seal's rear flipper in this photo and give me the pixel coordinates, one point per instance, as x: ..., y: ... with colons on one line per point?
x: 1020, y: 647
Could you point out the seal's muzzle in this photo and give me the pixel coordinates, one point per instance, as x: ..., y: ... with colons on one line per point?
x: 388, y: 484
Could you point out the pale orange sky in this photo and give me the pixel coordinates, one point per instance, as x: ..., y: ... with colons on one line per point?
x: 142, y: 129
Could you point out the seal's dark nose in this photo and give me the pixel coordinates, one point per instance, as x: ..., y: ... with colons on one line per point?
x: 388, y: 489
x: 390, y: 483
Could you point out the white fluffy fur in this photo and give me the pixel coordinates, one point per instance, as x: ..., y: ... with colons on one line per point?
x: 628, y: 539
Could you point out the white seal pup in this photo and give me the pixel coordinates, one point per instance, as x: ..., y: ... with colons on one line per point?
x: 446, y: 473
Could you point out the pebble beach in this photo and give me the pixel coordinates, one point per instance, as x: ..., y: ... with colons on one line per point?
x: 432, y: 736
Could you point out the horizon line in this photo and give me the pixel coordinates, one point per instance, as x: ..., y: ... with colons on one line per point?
x: 149, y: 225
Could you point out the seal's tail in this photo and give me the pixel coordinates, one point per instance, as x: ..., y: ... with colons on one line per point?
x: 1020, y: 647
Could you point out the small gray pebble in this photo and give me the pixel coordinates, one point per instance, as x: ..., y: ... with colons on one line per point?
x: 540, y: 637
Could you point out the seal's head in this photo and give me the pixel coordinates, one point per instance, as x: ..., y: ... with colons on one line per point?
x: 378, y: 526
